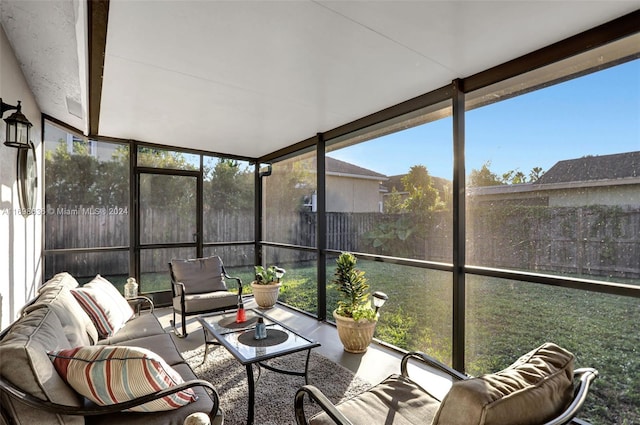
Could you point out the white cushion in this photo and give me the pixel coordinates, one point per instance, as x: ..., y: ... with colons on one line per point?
x: 108, y: 309
x: 63, y: 279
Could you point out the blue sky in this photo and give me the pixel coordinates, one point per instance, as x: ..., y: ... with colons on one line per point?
x: 597, y: 114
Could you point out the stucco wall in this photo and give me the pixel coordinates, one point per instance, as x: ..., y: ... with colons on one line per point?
x: 20, y: 237
x: 610, y: 195
x: 577, y: 195
x: 347, y: 194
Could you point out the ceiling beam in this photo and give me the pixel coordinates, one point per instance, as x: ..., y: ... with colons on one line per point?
x: 98, y: 16
x: 588, y: 40
x: 406, y: 107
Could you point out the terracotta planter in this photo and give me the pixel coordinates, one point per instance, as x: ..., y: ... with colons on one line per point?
x: 266, y: 296
x: 355, y: 336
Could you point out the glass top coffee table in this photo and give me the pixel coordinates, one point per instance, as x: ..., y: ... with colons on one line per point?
x: 238, y: 339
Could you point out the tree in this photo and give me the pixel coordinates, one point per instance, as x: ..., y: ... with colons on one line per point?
x: 84, y: 180
x: 535, y: 174
x: 483, y: 177
x: 514, y: 177
x: 290, y: 181
x: 423, y: 196
x: 397, y: 236
x: 162, y: 158
x: 228, y: 186
x: 78, y: 178
x: 394, y: 203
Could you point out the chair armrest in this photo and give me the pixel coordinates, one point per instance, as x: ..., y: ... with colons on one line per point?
x: 93, y: 410
x: 237, y: 279
x: 323, y: 402
x: 238, y: 282
x: 585, y: 377
x: 138, y: 300
x: 431, y: 362
x: 178, y: 289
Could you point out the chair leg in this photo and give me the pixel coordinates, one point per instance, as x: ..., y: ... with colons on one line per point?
x: 184, y: 325
x: 179, y: 334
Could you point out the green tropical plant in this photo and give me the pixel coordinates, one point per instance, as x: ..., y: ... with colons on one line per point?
x: 423, y: 196
x: 393, y: 237
x: 353, y: 288
x: 269, y: 275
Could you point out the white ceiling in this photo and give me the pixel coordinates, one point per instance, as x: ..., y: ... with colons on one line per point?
x: 250, y: 77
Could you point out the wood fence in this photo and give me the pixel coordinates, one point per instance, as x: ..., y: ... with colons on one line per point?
x: 592, y: 241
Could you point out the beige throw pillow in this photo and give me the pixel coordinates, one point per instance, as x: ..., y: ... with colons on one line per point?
x: 531, y: 391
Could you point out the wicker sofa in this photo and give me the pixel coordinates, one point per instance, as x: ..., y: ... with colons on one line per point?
x: 33, y: 348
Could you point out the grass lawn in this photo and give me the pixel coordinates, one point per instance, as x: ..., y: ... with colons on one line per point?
x: 505, y: 319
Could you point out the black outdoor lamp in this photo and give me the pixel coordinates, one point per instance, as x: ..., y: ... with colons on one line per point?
x: 279, y: 273
x: 379, y: 298
x: 18, y: 126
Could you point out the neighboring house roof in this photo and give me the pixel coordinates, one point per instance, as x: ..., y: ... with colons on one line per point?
x: 336, y: 167
x: 396, y: 181
x: 590, y: 168
x: 621, y: 169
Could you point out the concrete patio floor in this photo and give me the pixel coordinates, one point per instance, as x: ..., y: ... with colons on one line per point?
x: 373, y: 366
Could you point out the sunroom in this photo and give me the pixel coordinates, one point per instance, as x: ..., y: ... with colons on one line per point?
x: 480, y: 159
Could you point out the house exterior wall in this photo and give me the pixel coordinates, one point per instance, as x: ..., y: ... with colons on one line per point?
x: 21, y: 236
x: 572, y: 195
x: 102, y: 151
x: 611, y: 195
x: 349, y: 194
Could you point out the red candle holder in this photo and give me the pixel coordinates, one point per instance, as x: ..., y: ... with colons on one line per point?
x: 241, y: 315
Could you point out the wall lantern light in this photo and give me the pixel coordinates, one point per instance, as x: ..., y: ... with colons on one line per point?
x: 18, y: 128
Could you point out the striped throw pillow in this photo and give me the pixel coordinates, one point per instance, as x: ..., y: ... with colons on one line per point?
x: 108, y: 309
x: 113, y: 374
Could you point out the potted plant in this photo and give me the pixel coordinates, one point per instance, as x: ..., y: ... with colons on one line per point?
x: 355, y: 317
x: 266, y: 285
